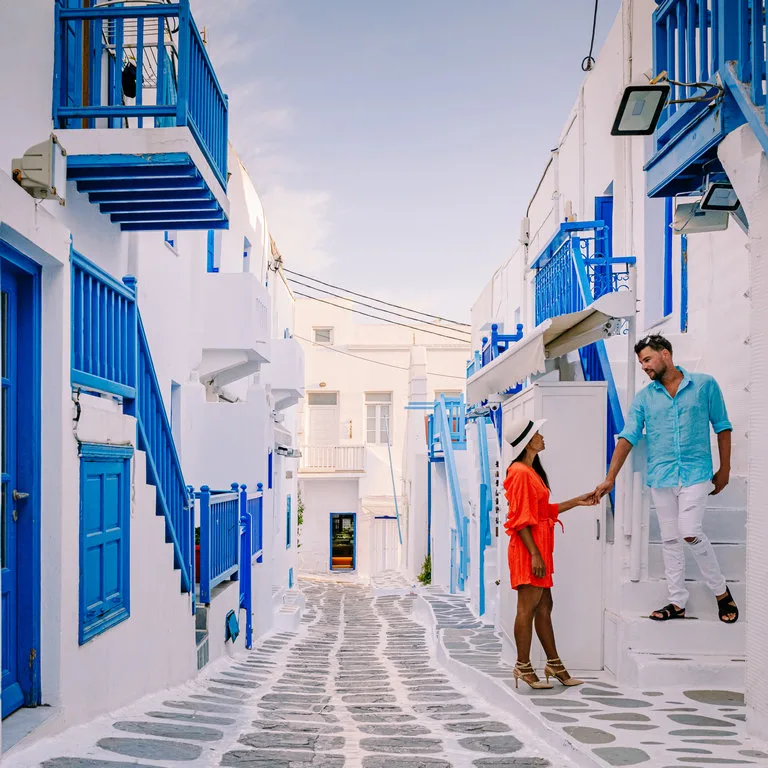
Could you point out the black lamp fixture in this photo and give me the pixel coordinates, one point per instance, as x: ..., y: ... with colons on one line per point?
x: 719, y: 194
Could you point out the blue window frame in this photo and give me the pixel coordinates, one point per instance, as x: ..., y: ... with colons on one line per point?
x: 212, y: 260
x: 288, y: 522
x: 105, y: 515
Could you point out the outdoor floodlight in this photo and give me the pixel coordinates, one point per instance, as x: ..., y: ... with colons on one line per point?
x: 43, y: 170
x: 719, y: 195
x: 690, y: 219
x: 640, y: 109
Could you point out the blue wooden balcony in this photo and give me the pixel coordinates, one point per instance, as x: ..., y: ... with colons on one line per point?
x: 719, y: 44
x: 138, y: 107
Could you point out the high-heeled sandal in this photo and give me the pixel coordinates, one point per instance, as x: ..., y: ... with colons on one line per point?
x: 555, y: 668
x: 523, y: 670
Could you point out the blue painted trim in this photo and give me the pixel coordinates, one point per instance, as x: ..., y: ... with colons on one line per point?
x: 684, y: 284
x: 486, y: 505
x: 105, y: 451
x: 288, y: 521
x: 98, y: 384
x: 20, y: 253
x: 270, y: 468
x: 668, y: 220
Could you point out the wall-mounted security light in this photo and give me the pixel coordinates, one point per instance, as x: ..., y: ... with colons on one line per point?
x: 640, y: 109
x: 43, y: 170
x: 719, y: 194
x: 690, y: 219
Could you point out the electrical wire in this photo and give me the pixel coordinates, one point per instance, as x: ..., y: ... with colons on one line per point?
x: 384, y: 319
x: 376, y: 362
x: 378, y: 309
x: 589, y: 60
x: 378, y: 301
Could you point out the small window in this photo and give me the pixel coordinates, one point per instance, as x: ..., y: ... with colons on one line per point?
x: 378, y: 411
x: 288, y: 522
x: 105, y: 514
x: 213, y: 261
x: 246, y: 255
x: 322, y: 398
x: 323, y: 335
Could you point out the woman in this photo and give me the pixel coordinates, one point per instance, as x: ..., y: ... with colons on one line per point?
x: 530, y: 525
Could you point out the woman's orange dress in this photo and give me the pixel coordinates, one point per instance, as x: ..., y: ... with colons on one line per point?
x: 529, y: 505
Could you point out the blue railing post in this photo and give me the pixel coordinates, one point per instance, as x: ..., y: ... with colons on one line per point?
x: 192, y: 569
x: 185, y: 47
x: 236, y: 575
x: 246, y: 575
x: 205, y: 545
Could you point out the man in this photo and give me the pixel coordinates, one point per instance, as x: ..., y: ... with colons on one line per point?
x: 676, y: 409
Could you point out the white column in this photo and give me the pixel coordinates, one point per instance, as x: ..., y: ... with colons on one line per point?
x: 747, y: 168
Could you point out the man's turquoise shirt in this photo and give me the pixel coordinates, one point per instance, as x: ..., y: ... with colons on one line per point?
x: 677, y: 429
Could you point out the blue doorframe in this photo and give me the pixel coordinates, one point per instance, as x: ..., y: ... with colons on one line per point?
x: 20, y: 516
x: 340, y: 516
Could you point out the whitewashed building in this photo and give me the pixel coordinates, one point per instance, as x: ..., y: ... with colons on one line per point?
x: 150, y: 376
x: 609, y: 252
x: 360, y: 514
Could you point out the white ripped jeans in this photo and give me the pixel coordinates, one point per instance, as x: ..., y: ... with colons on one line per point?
x: 681, y: 512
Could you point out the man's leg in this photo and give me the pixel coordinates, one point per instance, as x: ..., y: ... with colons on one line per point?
x: 693, y: 502
x: 666, y: 502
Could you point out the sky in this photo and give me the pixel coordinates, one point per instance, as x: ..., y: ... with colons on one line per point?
x: 395, y: 144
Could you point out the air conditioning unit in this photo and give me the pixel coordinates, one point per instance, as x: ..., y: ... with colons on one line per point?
x: 43, y: 171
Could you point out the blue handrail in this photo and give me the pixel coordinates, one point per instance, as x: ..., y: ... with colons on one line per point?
x: 219, y: 538
x: 137, y: 45
x: 163, y: 465
x: 102, y: 330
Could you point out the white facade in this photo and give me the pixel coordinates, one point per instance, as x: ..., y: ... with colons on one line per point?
x: 357, y: 389
x: 213, y: 339
x: 708, y: 322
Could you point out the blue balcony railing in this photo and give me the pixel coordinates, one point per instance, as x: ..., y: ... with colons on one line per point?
x: 110, y: 353
x: 103, y: 331
x: 571, y: 272
x: 138, y: 65
x: 219, y: 538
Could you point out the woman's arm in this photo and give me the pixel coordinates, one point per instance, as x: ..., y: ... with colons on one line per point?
x: 587, y: 500
x: 537, y: 561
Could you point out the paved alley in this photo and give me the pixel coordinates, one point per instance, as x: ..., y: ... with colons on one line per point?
x: 358, y: 686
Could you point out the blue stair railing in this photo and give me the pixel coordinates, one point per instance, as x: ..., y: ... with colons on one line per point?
x: 110, y: 353
x: 246, y: 575
x: 486, y: 504
x: 153, y: 48
x: 219, y: 538
x: 443, y: 428
x: 570, y: 274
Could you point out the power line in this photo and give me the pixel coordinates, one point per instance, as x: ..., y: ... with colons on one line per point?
x: 378, y: 301
x: 589, y: 61
x: 376, y: 362
x: 378, y: 309
x: 376, y: 317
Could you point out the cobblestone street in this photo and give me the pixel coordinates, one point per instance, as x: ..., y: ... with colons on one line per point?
x: 358, y: 686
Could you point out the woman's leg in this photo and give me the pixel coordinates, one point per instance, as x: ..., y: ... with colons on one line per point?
x: 528, y: 598
x: 542, y: 620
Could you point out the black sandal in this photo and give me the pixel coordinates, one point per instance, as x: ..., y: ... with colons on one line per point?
x: 669, y: 612
x: 726, y: 606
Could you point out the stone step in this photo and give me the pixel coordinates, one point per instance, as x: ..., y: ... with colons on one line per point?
x: 732, y: 559
x: 714, y: 672
x: 645, y: 596
x: 723, y: 525
x: 681, y: 637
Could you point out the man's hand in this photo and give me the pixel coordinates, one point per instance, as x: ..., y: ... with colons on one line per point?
x: 605, y: 487
x: 537, y: 566
x: 720, y: 480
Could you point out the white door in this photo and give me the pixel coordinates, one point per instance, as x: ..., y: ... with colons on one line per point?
x: 386, y: 545
x: 574, y: 459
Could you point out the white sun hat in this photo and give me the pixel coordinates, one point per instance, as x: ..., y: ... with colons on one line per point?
x: 520, y: 432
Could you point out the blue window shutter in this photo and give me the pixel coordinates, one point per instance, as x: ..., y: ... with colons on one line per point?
x: 104, y: 538
x: 288, y: 522
x: 211, y: 261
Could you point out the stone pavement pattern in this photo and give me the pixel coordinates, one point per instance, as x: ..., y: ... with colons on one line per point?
x: 357, y: 687
x: 618, y: 726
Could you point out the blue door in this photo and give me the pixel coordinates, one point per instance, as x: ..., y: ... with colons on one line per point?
x: 19, y: 436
